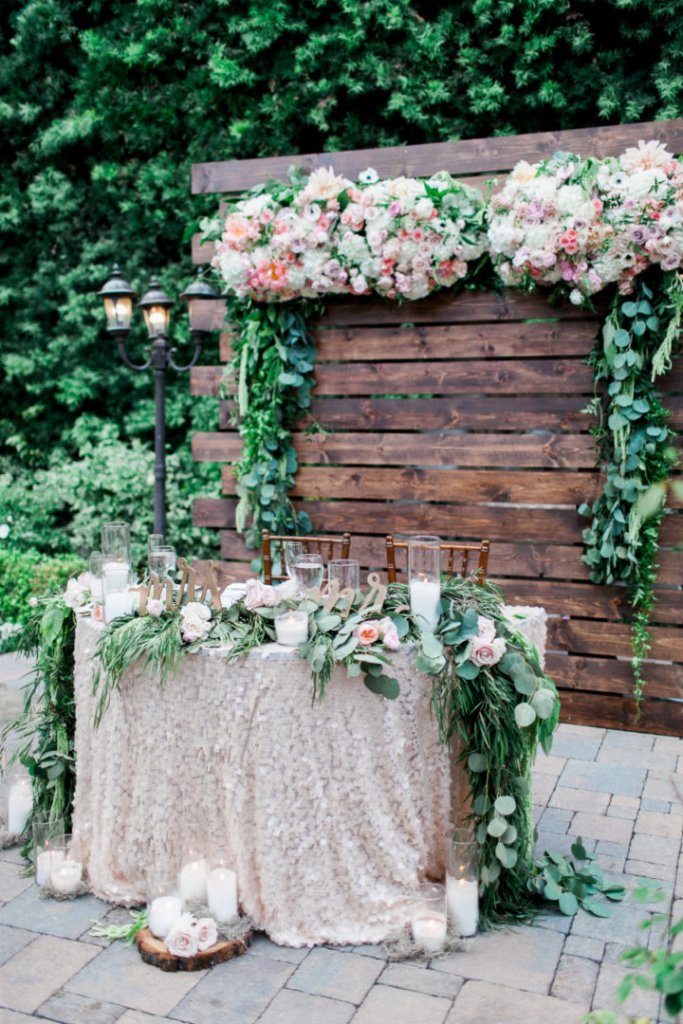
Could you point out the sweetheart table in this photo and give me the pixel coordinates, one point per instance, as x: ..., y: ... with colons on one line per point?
x: 328, y: 812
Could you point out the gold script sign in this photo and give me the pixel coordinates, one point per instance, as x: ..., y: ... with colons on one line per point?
x: 191, y: 581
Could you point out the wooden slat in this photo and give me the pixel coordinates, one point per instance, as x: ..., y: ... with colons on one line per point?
x: 586, y: 636
x: 663, y: 717
x: 607, y: 675
x: 443, y: 307
x: 585, y: 599
x: 471, y: 156
x: 437, y: 448
x: 441, y: 341
x: 464, y: 412
x: 560, y: 487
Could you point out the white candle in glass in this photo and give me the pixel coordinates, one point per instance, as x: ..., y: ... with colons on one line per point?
x: 117, y: 604
x: 462, y: 895
x: 221, y: 889
x: 19, y: 804
x: 119, y: 570
x: 46, y: 862
x: 424, y: 600
x: 163, y: 912
x: 291, y: 628
x: 96, y: 589
x: 67, y: 876
x: 429, y: 932
x: 192, y: 881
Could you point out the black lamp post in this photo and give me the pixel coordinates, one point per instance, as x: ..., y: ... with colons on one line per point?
x: 118, y: 296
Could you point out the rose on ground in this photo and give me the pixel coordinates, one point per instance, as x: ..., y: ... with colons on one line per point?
x: 182, y: 938
x: 206, y: 933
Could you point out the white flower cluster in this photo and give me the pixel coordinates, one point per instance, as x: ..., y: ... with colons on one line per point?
x: 189, y: 937
x: 588, y: 223
x: 399, y: 237
x: 195, y: 621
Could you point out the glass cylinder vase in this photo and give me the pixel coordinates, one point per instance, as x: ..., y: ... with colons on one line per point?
x: 346, y: 571
x: 164, y: 905
x: 48, y: 848
x: 429, y: 923
x: 462, y: 881
x: 116, y: 543
x: 19, y: 792
x: 424, y: 579
x: 118, y: 600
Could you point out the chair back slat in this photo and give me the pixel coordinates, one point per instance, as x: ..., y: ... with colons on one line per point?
x: 324, y: 544
x: 452, y: 549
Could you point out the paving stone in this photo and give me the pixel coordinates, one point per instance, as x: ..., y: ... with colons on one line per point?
x: 115, y: 916
x: 298, y: 1007
x: 546, y: 764
x: 640, y: 1003
x: 261, y: 945
x: 652, y: 759
x: 326, y: 972
x: 40, y: 969
x: 65, y: 918
x: 653, y: 824
x: 385, y: 1005
x: 583, y: 748
x: 615, y: 779
x: 12, y: 854
x: 430, y: 982
x: 367, y: 949
x: 577, y: 800
x: 597, y: 826
x: 582, y: 945
x: 553, y: 920
x: 561, y: 844
x: 634, y: 742
x: 12, y: 940
x: 555, y: 819
x: 611, y: 856
x: 69, y: 1008
x: 136, y: 1017
x: 624, y: 807
x: 662, y: 786
x: 646, y: 869
x: 11, y: 882
x: 236, y: 992
x: 118, y: 975
x: 14, y: 1017
x: 662, y: 806
x: 523, y: 958
x: 623, y: 925
x: 542, y: 787
x: 656, y: 849
x: 669, y: 744
x: 481, y: 1003
x: 575, y: 979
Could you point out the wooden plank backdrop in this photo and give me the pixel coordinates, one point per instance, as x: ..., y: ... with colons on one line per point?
x: 461, y: 415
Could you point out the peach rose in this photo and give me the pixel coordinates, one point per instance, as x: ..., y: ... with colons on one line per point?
x: 367, y: 632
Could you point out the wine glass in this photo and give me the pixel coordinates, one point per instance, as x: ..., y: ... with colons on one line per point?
x: 162, y: 561
x: 308, y: 570
x: 155, y: 541
x: 291, y: 550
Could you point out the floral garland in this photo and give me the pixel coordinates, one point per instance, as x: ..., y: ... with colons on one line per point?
x: 571, y: 224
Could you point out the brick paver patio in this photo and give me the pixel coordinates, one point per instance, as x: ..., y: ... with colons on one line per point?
x: 620, y: 791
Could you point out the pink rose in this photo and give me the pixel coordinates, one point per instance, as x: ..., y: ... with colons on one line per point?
x: 259, y: 595
x: 391, y: 639
x: 367, y: 632
x: 182, y: 940
x: 155, y: 607
x: 486, y: 653
x: 205, y: 932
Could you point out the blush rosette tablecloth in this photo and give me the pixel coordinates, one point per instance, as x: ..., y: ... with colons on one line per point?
x: 328, y: 812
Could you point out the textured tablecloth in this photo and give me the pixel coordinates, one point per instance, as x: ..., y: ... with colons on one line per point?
x: 327, y: 812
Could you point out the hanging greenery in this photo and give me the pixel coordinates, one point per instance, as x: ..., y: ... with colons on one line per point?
x: 634, y: 348
x: 271, y: 376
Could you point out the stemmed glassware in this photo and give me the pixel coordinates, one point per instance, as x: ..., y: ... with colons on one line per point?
x: 308, y: 570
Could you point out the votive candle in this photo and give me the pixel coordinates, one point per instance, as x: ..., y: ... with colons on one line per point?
x: 291, y: 628
x: 66, y: 877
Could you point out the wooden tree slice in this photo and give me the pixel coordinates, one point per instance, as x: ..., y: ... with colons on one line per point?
x: 153, y: 951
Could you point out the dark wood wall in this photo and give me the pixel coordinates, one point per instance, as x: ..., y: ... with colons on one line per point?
x: 462, y: 416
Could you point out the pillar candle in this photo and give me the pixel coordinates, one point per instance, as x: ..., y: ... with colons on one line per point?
x: 117, y: 604
x: 424, y: 599
x: 163, y: 913
x: 429, y: 932
x: 66, y: 877
x: 19, y: 805
x: 221, y: 888
x: 192, y: 881
x: 46, y: 862
x: 462, y: 895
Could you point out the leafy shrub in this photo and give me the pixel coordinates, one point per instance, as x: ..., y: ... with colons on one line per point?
x: 24, y: 574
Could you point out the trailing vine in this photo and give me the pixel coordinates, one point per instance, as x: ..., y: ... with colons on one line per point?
x: 272, y: 367
x: 634, y: 348
x: 47, y: 723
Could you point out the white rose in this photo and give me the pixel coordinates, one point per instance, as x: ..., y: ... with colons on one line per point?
x: 206, y: 933
x: 259, y: 595
x: 486, y: 628
x: 182, y: 939
x: 76, y: 594
x: 486, y: 653
x: 155, y: 607
x: 197, y: 610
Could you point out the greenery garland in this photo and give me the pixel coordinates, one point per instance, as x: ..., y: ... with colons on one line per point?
x: 634, y: 348
x: 272, y: 368
x: 47, y: 722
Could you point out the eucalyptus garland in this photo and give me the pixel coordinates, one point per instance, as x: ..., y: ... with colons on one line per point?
x: 634, y: 348
x: 272, y: 367
x: 46, y: 725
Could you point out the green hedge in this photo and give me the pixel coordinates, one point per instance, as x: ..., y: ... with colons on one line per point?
x: 26, y: 574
